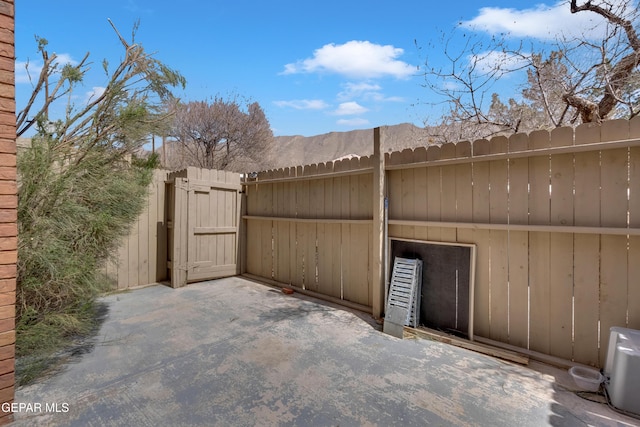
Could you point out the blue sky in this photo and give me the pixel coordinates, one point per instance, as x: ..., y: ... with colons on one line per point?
x: 314, y: 67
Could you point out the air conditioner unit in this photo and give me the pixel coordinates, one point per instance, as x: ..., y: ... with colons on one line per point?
x: 622, y: 369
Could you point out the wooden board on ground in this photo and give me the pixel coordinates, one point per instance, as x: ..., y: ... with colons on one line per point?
x: 434, y: 335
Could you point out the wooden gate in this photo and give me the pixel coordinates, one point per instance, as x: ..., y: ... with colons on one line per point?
x: 203, y: 219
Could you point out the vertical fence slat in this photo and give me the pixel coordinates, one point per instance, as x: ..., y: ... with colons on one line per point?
x: 613, y: 287
x: 480, y: 211
x: 539, y: 214
x: 335, y: 238
x: 316, y: 208
x: 302, y: 210
x: 518, y: 252
x: 561, y: 247
x: 266, y: 202
x: 408, y: 194
x: 325, y: 248
x: 561, y: 295
x: 633, y: 297
x: 394, y: 190
x: 282, y: 238
x: 143, y: 242
x: 539, y: 322
x: 434, y: 201
x: 586, y: 298
x: 253, y: 231
x: 518, y: 244
x: 463, y: 184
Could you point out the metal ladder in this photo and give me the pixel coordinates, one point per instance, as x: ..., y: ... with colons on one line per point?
x: 403, y: 304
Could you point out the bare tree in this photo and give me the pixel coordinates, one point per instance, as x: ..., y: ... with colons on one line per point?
x: 81, y: 187
x: 221, y: 134
x: 577, y: 80
x: 616, y: 71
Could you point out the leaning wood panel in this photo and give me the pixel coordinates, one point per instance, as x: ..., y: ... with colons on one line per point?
x: 586, y: 298
x: 539, y: 291
x: 561, y: 295
x: 613, y: 287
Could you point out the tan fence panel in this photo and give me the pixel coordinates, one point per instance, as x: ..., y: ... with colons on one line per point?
x: 554, y: 217
x: 313, y: 231
x: 141, y: 257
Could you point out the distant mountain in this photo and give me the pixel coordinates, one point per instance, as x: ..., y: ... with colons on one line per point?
x: 300, y: 150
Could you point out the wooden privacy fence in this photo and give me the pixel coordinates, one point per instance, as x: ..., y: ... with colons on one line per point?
x: 311, y: 227
x: 187, y: 232
x: 555, y: 218
x: 142, y: 256
x: 203, y: 214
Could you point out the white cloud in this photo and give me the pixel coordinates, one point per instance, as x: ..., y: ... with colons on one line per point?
x: 94, y: 93
x: 366, y: 91
x: 496, y: 60
x: 64, y: 59
x: 353, y: 122
x: 541, y: 21
x: 303, y: 104
x: 359, y: 59
x: 24, y: 69
x: 357, y: 90
x: 350, y: 109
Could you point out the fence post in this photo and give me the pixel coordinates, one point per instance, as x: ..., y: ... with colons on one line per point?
x: 179, y: 258
x: 379, y: 183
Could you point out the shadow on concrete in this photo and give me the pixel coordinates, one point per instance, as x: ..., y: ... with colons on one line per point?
x: 39, y: 366
x: 303, y: 309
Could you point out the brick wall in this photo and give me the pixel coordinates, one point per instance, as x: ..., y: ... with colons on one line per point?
x: 8, y: 205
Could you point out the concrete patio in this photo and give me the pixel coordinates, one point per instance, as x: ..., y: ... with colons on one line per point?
x: 236, y: 352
